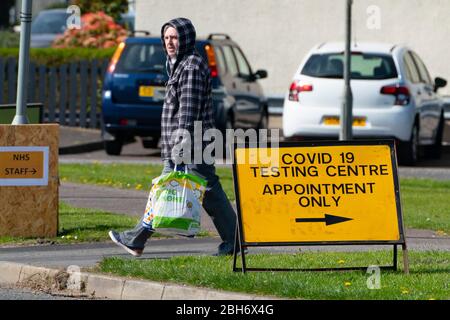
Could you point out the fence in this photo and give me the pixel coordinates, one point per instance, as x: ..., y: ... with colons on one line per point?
x: 70, y: 93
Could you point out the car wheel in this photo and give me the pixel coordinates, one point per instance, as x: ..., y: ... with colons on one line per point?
x: 150, y: 143
x: 409, y: 151
x: 113, y: 147
x: 264, y: 122
x: 435, y: 150
x: 229, y: 124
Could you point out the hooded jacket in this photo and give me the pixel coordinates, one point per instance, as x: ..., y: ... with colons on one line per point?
x: 188, y: 92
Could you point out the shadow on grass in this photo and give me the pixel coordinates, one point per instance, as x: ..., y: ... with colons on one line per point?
x: 94, y: 228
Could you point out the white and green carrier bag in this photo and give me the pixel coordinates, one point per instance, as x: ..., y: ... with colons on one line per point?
x: 174, y: 203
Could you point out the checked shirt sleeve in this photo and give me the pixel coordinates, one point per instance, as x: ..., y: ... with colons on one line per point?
x: 192, y: 95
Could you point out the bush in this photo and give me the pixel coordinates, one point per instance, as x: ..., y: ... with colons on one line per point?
x: 98, y: 30
x: 54, y: 57
x: 9, y: 39
x: 112, y: 8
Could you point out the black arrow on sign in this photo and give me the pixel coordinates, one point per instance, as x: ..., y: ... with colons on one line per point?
x: 34, y: 171
x: 329, y: 219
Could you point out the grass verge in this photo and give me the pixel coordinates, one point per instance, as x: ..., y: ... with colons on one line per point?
x: 81, y: 225
x: 426, y: 203
x: 428, y: 278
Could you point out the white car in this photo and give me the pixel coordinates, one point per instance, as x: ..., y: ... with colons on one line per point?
x: 393, y: 97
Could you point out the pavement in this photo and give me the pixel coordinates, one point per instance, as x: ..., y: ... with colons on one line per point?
x: 45, y: 265
x: 74, y: 140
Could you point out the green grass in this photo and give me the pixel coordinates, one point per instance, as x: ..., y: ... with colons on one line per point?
x: 81, y: 225
x: 428, y: 278
x: 127, y: 176
x: 78, y: 225
x: 425, y: 203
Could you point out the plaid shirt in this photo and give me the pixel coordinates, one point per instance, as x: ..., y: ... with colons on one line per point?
x: 188, y: 93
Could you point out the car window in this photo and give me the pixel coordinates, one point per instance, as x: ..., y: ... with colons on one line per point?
x: 423, y: 72
x: 367, y: 66
x: 244, y: 68
x: 231, y: 61
x: 142, y: 58
x: 411, y: 71
x: 50, y: 22
x: 220, y: 60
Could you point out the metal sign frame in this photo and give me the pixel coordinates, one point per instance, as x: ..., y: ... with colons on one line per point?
x: 241, y: 245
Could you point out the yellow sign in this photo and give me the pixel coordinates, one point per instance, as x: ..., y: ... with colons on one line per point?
x: 325, y: 193
x: 23, y: 166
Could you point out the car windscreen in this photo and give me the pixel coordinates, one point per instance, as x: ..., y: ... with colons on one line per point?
x: 50, y: 22
x: 142, y: 57
x: 367, y: 66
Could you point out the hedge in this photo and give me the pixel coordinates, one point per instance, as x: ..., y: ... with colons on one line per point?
x: 55, y: 57
x: 9, y: 39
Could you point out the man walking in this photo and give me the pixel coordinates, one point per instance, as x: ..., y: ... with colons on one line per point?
x: 188, y: 100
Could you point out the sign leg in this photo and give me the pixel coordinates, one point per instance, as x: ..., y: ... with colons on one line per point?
x: 243, y: 258
x: 236, y: 248
x: 405, y: 258
x: 241, y: 249
x: 395, y: 257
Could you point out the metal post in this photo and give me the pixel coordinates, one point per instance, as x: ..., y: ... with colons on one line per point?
x: 405, y: 258
x: 22, y: 79
x: 345, y: 132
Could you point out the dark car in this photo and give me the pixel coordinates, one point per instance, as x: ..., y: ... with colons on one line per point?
x: 134, y: 89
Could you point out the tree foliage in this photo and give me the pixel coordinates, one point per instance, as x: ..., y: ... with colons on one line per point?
x: 112, y: 8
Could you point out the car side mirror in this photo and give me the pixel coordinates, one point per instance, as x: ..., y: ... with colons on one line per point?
x: 260, y: 74
x: 439, y: 83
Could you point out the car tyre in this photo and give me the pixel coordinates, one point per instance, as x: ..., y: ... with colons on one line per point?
x: 435, y: 150
x: 264, y: 124
x: 409, y: 151
x: 229, y: 124
x: 113, y: 147
x: 150, y: 144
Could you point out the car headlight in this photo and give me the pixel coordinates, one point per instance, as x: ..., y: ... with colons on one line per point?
x: 107, y: 94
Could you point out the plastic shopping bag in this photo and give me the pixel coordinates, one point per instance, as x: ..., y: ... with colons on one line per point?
x: 175, y: 203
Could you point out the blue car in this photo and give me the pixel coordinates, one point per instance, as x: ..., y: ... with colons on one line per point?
x: 134, y: 89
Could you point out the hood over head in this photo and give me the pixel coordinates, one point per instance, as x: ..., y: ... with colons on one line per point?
x: 186, y: 35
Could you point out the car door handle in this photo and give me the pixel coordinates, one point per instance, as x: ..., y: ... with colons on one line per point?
x: 234, y: 85
x: 248, y: 88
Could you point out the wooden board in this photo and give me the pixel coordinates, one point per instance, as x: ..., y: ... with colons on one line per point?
x: 31, y: 211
